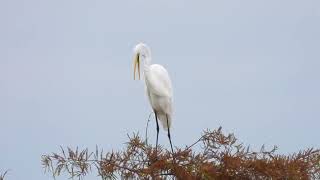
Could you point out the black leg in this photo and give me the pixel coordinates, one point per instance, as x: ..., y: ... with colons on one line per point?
x: 169, y: 136
x: 157, y: 131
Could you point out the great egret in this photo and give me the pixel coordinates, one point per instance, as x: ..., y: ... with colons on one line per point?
x: 158, y: 87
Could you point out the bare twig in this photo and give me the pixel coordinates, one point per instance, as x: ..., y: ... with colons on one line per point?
x: 147, y: 127
x: 2, y: 175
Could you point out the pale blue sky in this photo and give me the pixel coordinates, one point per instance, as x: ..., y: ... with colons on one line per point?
x: 249, y: 66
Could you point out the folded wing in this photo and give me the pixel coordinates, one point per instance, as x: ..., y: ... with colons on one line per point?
x: 158, y: 81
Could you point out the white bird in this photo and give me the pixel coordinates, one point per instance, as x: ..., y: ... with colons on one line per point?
x: 158, y: 87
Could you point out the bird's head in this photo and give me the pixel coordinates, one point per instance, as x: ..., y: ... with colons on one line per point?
x: 141, y: 51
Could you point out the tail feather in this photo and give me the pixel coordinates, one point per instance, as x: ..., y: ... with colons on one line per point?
x: 163, y: 119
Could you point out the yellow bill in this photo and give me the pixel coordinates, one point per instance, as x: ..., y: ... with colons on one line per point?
x: 136, y: 65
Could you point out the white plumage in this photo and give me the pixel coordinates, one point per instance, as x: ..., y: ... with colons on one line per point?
x: 158, y: 87
x: 158, y: 84
x: 159, y: 91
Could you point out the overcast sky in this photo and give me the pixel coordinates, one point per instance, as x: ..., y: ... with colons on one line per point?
x: 66, y: 76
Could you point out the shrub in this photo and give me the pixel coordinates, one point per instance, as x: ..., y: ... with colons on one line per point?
x: 220, y: 157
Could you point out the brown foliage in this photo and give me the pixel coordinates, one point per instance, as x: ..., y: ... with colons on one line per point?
x: 220, y: 157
